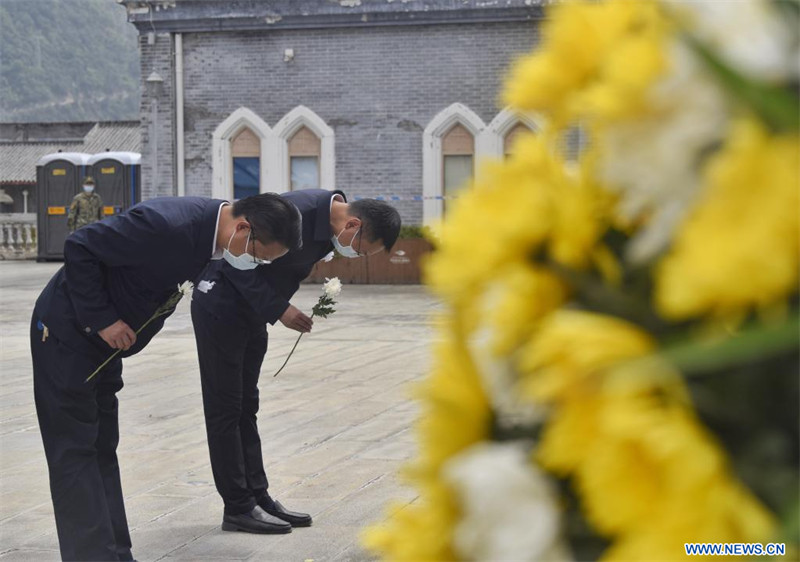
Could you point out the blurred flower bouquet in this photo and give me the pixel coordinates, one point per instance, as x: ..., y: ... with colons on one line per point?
x: 324, y: 308
x: 618, y: 366
x: 167, y: 308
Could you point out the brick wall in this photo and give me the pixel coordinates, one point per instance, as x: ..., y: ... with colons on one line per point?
x: 158, y: 117
x: 377, y: 87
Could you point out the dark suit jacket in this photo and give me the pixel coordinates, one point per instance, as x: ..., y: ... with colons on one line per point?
x: 263, y: 297
x: 125, y: 267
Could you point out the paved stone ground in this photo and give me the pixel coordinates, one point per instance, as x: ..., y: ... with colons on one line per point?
x: 335, y: 427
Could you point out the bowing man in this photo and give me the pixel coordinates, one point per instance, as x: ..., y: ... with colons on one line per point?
x: 230, y: 310
x: 116, y: 273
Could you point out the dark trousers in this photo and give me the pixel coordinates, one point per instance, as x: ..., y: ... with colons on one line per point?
x: 80, y: 432
x: 230, y: 354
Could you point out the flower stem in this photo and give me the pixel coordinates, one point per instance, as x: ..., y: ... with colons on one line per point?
x: 290, y: 355
x: 117, y: 352
x: 291, y: 352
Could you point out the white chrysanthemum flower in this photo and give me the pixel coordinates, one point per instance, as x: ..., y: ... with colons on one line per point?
x: 185, y: 288
x: 332, y: 287
x: 654, y: 162
x: 500, y: 378
x: 749, y: 35
x: 509, y: 507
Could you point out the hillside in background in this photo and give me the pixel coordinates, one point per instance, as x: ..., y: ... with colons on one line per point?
x: 67, y: 60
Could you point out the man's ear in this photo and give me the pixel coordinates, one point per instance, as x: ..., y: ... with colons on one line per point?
x: 353, y: 222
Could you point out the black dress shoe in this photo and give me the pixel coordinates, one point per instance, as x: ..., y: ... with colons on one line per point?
x: 294, y: 518
x: 257, y: 521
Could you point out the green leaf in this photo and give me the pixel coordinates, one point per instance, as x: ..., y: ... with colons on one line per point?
x: 596, y: 295
x: 323, y: 308
x: 789, y: 9
x: 751, y: 344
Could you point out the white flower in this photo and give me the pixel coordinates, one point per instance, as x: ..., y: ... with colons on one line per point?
x: 509, y: 509
x: 749, y: 35
x: 654, y: 162
x: 332, y: 287
x: 500, y: 378
x: 185, y: 288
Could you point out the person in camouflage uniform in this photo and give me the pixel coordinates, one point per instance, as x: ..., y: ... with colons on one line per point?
x: 86, y: 207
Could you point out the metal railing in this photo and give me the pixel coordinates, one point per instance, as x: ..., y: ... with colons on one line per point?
x: 17, y: 236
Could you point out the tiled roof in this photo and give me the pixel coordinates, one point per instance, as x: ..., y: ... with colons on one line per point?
x: 113, y: 137
x: 18, y: 159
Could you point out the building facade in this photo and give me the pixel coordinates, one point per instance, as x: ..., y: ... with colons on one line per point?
x: 381, y: 98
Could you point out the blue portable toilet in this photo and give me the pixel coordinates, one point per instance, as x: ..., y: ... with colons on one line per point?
x: 117, y: 177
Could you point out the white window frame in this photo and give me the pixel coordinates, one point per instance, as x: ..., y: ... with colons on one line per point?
x: 222, y: 159
x: 301, y: 116
x: 432, y: 180
x: 502, y: 124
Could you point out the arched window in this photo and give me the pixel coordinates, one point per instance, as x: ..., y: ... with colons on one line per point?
x: 240, y: 150
x: 305, y: 154
x: 451, y: 145
x: 511, y: 137
x: 506, y: 127
x: 458, y: 160
x: 246, y: 154
x: 305, y: 150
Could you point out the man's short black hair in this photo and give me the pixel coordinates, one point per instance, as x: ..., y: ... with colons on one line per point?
x: 273, y: 218
x: 381, y: 221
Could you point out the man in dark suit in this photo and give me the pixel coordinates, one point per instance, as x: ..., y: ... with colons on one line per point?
x: 232, y: 342
x: 116, y: 273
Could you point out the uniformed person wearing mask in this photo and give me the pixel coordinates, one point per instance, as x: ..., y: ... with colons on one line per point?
x: 86, y: 207
x: 230, y: 310
x: 116, y: 273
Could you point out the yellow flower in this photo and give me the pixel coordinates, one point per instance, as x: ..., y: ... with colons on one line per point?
x: 486, y: 246
x: 573, y: 346
x: 647, y: 452
x: 628, y: 72
x: 648, y: 474
x: 581, y: 212
x: 483, y: 231
x: 622, y: 427
x: 721, y: 512
x: 456, y: 408
x: 525, y: 294
x: 422, y: 531
x: 484, y: 235
x: 618, y: 420
x: 740, y: 247
x: 596, y: 58
x: 456, y: 415
x: 568, y: 435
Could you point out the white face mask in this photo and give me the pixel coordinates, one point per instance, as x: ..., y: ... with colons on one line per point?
x: 243, y: 261
x: 88, y: 188
x: 346, y: 251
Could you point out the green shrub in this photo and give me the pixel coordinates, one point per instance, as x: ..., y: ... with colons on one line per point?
x: 415, y: 231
